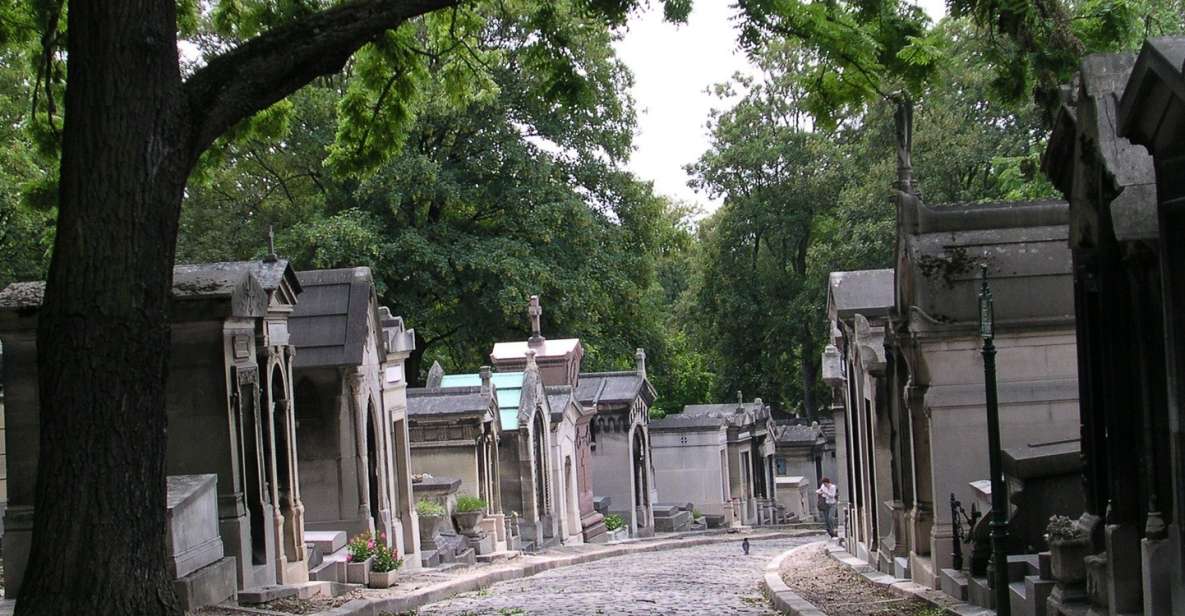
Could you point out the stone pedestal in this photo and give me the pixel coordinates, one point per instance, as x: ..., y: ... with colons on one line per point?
x: 1124, y: 584
x: 192, y: 513
x: 1157, y: 579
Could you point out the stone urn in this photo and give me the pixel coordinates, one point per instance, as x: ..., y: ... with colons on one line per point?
x: 1068, y: 560
x: 358, y: 572
x: 428, y: 525
x: 467, y: 522
x: 382, y: 579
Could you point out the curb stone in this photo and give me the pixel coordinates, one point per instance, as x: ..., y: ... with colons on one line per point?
x: 949, y: 605
x: 501, y: 573
x: 784, y: 599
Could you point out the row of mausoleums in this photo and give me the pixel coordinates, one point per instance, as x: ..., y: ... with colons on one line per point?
x: 1091, y: 366
x: 737, y: 465
x: 291, y: 429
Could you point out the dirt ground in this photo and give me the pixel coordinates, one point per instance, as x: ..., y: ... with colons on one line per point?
x: 839, y: 591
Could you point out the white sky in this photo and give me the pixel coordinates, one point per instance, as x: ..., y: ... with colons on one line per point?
x: 673, y: 66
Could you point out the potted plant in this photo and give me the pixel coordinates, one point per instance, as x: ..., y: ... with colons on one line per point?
x: 615, y: 523
x: 359, y: 553
x: 468, y: 513
x: 430, y: 513
x: 384, y: 566
x: 1068, y: 548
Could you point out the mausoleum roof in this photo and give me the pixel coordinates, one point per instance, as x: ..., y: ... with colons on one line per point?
x: 331, y: 322
x: 543, y: 350
x: 613, y: 388
x: 558, y: 397
x: 196, y: 281
x: 444, y: 402
x: 721, y: 410
x: 683, y: 421
x: 866, y: 292
x: 796, y: 434
x: 1157, y: 84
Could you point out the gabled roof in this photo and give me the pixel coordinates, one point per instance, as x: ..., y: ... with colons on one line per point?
x: 336, y: 312
x: 457, y: 401
x: 613, y: 388
x: 796, y: 434
x: 866, y: 292
x: 1151, y: 109
x: 558, y: 399
x: 720, y: 410
x: 244, y: 283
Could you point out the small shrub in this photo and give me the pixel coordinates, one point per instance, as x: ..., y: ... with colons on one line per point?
x: 467, y: 504
x: 695, y: 515
x: 429, y: 509
x: 361, y: 547
x: 385, y: 559
x: 614, y: 521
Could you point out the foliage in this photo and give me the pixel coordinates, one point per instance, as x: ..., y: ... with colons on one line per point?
x: 429, y: 509
x: 614, y: 521
x: 1062, y: 529
x: 467, y: 504
x: 696, y: 515
x: 386, y: 559
x: 361, y: 547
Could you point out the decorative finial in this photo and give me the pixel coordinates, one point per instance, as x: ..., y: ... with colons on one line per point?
x: 271, y: 245
x: 486, y: 379
x: 640, y: 361
x: 530, y: 358
x: 535, y: 311
x: 435, y: 376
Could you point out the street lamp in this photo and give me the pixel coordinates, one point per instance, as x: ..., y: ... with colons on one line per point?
x: 999, y: 522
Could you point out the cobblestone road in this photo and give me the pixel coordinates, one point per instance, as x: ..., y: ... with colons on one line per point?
x: 704, y: 580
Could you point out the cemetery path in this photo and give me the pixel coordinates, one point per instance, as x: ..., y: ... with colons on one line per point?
x: 708, y: 579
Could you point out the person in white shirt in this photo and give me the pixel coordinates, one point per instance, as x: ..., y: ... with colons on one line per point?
x: 827, y: 500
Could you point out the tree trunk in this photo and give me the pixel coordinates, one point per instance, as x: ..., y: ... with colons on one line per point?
x: 810, y: 373
x: 103, y: 337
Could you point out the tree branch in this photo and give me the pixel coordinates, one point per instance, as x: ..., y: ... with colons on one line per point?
x: 269, y: 67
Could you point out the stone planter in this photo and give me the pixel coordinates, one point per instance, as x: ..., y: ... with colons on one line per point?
x: 467, y: 522
x: 358, y: 572
x: 428, y: 531
x: 1068, y: 560
x: 385, y: 579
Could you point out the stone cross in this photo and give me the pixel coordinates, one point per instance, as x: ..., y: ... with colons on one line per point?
x: 271, y: 245
x: 535, y: 311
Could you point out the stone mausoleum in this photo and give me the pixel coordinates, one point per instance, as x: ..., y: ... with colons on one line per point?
x: 231, y: 426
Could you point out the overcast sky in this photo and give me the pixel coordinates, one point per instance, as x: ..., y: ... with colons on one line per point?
x: 673, y: 66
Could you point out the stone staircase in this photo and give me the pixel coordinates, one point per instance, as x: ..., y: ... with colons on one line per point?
x: 327, y: 555
x: 1030, y: 582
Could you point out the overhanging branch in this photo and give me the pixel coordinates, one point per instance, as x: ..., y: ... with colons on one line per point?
x: 269, y: 67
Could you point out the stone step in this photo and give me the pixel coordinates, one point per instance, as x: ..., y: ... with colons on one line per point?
x: 314, y: 554
x: 497, y: 557
x: 328, y: 571
x: 329, y: 541
x: 1037, y: 591
x: 901, y: 568
x: 264, y: 594
x: 1022, y: 565
x: 1016, y: 599
x: 954, y: 583
x: 979, y: 593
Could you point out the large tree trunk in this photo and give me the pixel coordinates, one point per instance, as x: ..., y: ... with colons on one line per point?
x: 103, y: 337
x: 132, y: 132
x: 810, y: 373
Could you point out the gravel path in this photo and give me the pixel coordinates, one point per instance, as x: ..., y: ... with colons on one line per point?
x: 838, y: 591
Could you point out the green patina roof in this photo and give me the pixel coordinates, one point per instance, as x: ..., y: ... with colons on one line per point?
x: 508, y: 385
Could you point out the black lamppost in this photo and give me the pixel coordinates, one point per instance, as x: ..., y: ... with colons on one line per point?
x: 999, y: 523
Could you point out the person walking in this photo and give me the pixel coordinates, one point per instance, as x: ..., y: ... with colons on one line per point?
x: 827, y: 500
x: 745, y: 546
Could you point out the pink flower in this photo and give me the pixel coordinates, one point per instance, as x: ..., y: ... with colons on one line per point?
x: 370, y: 544
x: 349, y: 557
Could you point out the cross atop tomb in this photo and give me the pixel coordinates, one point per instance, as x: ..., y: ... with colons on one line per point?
x: 271, y: 245
x: 534, y: 312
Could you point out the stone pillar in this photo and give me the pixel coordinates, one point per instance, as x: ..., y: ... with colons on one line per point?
x: 359, y: 401
x: 921, y: 515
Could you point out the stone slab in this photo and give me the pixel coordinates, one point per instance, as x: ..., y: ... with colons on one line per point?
x: 193, y: 540
x: 1037, y: 593
x: 328, y: 541
x: 210, y: 585
x: 678, y: 521
x: 978, y: 592
x: 954, y: 583
x: 263, y: 594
